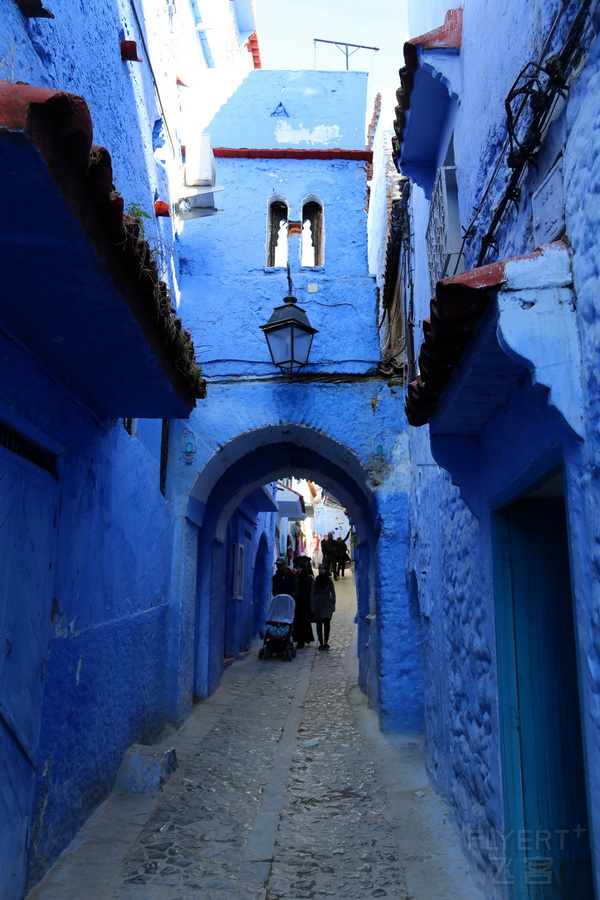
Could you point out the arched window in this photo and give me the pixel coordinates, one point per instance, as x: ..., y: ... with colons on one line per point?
x: 312, y: 232
x: 277, y: 249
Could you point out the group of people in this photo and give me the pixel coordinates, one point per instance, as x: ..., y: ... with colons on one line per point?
x: 335, y: 555
x: 314, y: 598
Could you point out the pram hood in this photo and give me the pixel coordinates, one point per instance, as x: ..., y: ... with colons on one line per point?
x: 282, y: 609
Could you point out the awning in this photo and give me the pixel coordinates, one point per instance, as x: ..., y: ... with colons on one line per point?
x: 262, y: 500
x: 488, y: 328
x: 81, y: 290
x: 289, y: 503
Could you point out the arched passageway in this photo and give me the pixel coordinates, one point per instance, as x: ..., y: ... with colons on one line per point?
x: 247, y: 462
x: 237, y: 469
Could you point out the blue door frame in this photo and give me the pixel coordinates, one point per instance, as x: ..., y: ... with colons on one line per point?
x: 546, y: 839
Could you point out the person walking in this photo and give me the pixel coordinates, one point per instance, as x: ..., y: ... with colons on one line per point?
x: 328, y: 546
x: 302, y: 631
x: 322, y: 602
x: 341, y: 557
x: 284, y: 579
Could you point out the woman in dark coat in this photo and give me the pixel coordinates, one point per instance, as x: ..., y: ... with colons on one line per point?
x: 302, y: 631
x: 322, y: 602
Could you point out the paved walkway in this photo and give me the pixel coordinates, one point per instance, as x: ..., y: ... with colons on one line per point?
x: 285, y: 789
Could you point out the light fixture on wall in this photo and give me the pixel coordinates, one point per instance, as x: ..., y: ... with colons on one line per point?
x: 189, y: 446
x: 289, y: 334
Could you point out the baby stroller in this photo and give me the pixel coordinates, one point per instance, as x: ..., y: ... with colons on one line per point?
x: 278, y: 629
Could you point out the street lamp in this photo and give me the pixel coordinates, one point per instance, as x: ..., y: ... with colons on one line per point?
x: 289, y: 334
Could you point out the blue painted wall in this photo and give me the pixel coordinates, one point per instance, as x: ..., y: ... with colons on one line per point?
x: 317, y: 110
x: 98, y: 644
x: 131, y: 567
x: 450, y: 560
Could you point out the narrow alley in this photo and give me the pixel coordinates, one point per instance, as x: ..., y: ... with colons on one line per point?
x: 285, y: 788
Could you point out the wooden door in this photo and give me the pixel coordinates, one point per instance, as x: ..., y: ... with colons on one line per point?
x: 546, y: 807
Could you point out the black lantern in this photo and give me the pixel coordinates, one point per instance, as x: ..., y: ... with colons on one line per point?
x: 289, y: 334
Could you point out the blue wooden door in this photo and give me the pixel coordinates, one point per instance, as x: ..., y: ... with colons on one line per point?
x: 546, y: 808
x: 28, y: 504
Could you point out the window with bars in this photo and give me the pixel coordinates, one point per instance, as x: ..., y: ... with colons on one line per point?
x: 443, y: 237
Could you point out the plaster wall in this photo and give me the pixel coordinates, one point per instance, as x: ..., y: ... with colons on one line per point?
x: 80, y: 52
x: 228, y: 293
x: 107, y: 675
x: 330, y: 518
x: 104, y: 684
x: 303, y: 109
x: 450, y: 563
x: 322, y: 446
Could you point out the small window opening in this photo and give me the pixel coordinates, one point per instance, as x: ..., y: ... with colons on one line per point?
x: 277, y: 251
x: 27, y: 449
x: 312, y: 234
x: 164, y: 455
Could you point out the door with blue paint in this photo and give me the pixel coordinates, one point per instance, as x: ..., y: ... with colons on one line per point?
x: 547, y: 842
x: 28, y: 508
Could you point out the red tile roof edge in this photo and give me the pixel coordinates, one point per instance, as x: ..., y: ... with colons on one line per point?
x: 254, y: 49
x: 457, y: 308
x: 291, y: 153
x: 445, y: 37
x: 60, y: 126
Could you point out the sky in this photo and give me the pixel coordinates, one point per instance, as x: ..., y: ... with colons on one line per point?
x: 287, y: 29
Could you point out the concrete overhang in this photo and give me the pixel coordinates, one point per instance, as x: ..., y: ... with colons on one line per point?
x: 289, y: 503
x: 429, y: 86
x: 262, y: 500
x: 81, y: 291
x: 487, y: 329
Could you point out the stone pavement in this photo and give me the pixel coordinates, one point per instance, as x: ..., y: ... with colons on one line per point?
x: 285, y: 789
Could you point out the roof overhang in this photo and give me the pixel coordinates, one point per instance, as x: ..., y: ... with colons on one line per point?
x: 261, y: 499
x: 81, y: 290
x: 429, y: 87
x: 289, y: 503
x: 488, y: 328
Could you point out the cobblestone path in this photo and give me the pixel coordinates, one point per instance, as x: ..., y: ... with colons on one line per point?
x: 278, y: 794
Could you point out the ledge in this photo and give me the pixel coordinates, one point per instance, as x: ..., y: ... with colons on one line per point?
x: 429, y: 81
x: 488, y: 328
x: 291, y: 153
x: 81, y: 288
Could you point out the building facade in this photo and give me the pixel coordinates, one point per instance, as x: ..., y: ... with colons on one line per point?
x: 499, y: 144
x: 291, y: 159
x: 94, y: 366
x: 138, y: 514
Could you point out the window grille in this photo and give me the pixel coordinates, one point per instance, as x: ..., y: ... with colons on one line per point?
x: 443, y: 231
x: 27, y: 449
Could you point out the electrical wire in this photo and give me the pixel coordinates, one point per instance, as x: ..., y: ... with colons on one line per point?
x: 553, y: 87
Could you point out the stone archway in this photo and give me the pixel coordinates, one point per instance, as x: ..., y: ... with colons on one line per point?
x: 250, y: 460
x: 389, y: 667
